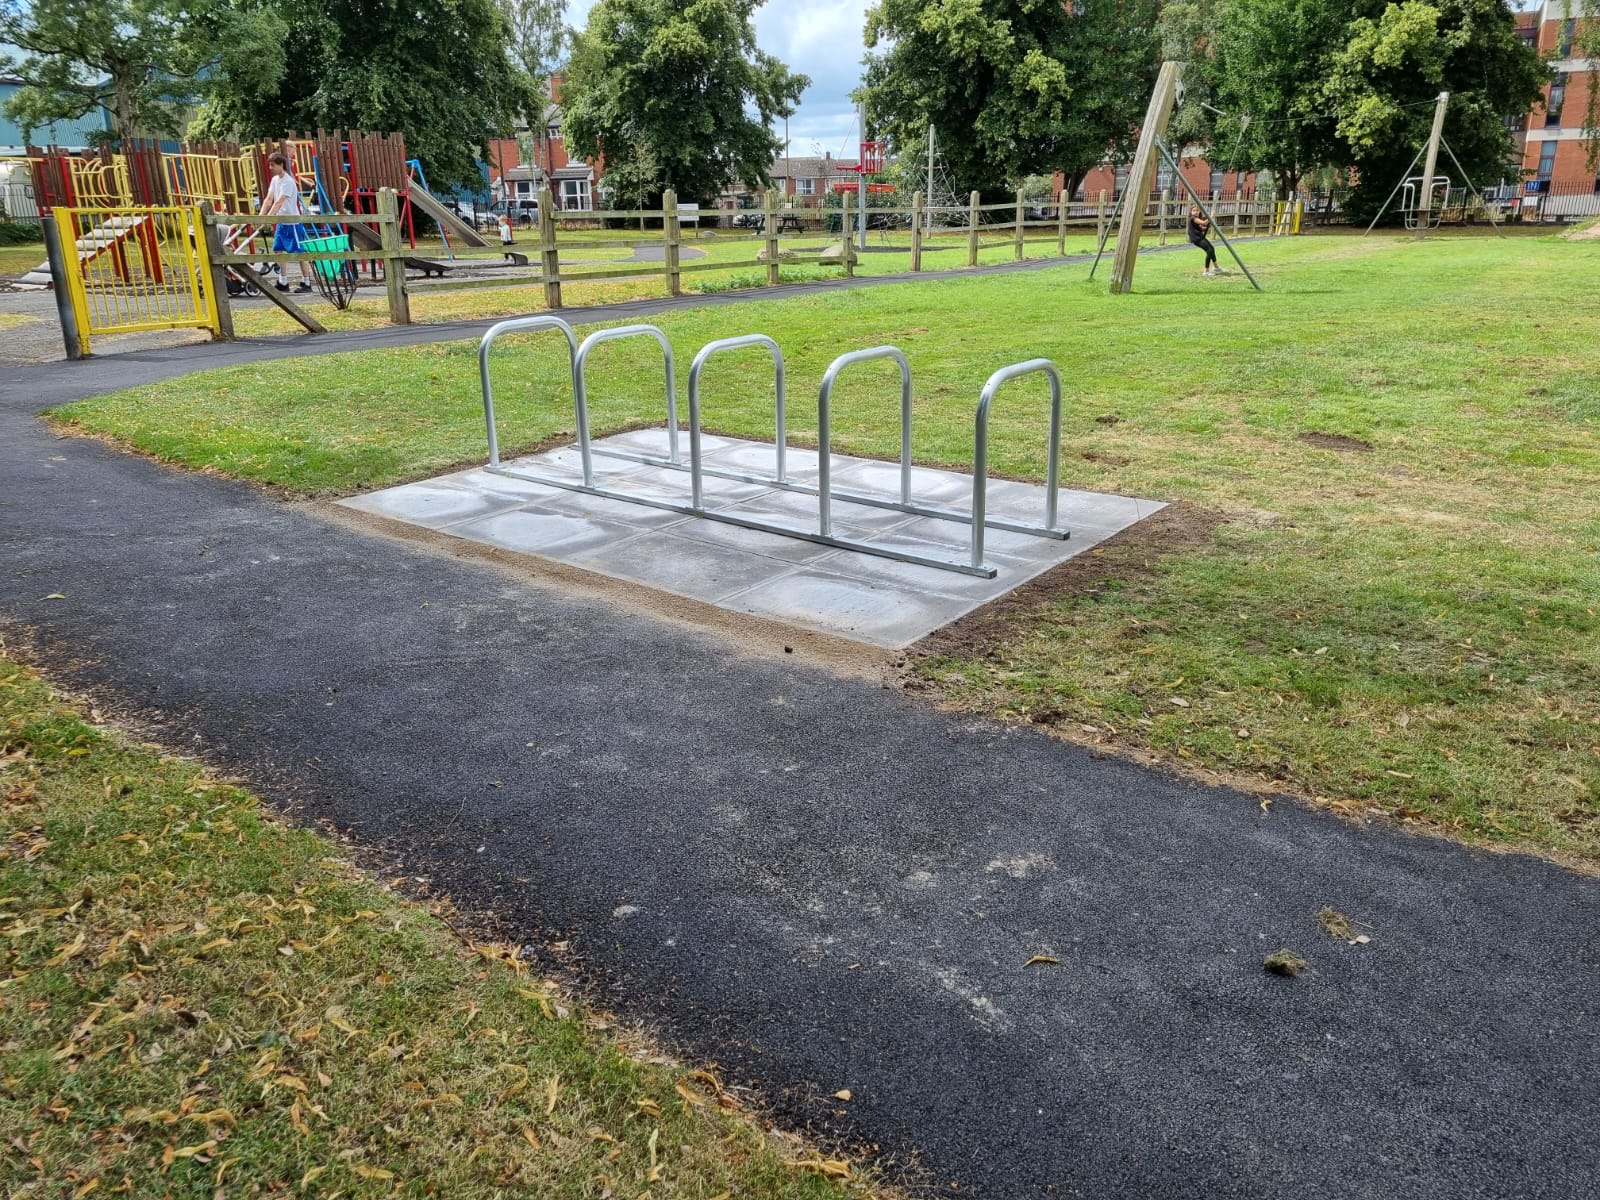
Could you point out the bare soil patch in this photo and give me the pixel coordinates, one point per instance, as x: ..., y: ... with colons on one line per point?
x: 1335, y: 441
x: 1134, y: 553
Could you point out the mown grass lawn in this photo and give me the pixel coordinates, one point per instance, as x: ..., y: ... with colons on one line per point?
x: 18, y: 260
x: 201, y: 1002
x: 1412, y: 627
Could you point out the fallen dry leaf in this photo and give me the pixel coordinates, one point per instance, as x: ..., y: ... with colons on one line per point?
x: 1041, y: 959
x: 843, y: 1094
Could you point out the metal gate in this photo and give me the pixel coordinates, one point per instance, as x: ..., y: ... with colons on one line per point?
x: 134, y: 269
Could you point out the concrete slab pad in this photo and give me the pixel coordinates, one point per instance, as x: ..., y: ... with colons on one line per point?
x: 433, y: 504
x: 848, y: 593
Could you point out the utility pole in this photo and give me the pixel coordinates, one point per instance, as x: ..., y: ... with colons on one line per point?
x: 1142, y: 173
x: 1425, y: 216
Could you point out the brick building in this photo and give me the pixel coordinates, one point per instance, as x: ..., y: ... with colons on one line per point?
x: 1556, y: 146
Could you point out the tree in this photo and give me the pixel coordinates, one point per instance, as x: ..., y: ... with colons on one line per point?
x: 1383, y: 83
x: 1272, y: 58
x: 440, y: 73
x: 1013, y: 87
x: 142, y: 60
x: 684, y: 86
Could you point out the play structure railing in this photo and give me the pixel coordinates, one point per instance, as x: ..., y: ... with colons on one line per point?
x: 975, y: 518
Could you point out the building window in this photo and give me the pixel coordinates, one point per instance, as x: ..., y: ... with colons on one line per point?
x: 1119, y: 181
x: 1216, y: 184
x: 525, y: 187
x: 575, y: 194
x: 1547, y: 159
x: 805, y: 187
x: 1569, y: 29
x: 1558, y: 97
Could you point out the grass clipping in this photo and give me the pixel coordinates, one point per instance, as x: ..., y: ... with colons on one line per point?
x: 199, y: 1001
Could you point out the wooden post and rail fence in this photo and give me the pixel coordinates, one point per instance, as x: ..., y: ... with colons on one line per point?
x: 142, y: 268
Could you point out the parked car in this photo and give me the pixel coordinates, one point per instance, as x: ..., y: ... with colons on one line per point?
x: 524, y: 212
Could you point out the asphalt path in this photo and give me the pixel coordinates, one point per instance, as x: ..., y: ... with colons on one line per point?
x: 821, y: 883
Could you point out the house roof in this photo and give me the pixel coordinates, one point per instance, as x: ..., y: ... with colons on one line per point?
x: 811, y: 168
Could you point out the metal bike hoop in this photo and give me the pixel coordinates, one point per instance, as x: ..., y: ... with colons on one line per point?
x: 720, y: 346
x: 980, y: 446
x: 824, y: 427
x: 612, y: 335
x: 529, y: 325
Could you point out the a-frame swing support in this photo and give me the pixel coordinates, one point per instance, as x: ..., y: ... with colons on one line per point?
x: 1141, y: 174
x: 1177, y: 171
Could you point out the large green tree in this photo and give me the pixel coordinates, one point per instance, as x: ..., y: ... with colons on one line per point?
x: 1013, y: 87
x: 1270, y: 59
x: 441, y: 73
x: 1382, y: 85
x: 680, y: 89
x: 141, y: 60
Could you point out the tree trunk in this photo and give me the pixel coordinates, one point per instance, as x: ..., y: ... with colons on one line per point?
x: 125, y: 111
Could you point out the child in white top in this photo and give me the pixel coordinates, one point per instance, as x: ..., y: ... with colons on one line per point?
x: 283, y: 197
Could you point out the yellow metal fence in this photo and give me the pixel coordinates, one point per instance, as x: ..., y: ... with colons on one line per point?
x: 135, y: 269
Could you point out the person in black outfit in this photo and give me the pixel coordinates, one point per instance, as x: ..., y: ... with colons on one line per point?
x: 1199, y: 237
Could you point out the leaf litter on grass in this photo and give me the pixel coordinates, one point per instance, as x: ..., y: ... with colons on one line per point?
x: 198, y: 998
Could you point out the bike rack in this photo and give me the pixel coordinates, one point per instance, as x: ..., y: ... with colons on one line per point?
x: 825, y: 430
x: 905, y: 503
x: 612, y: 335
x: 980, y: 446
x: 721, y: 345
x: 528, y: 325
x: 977, y: 518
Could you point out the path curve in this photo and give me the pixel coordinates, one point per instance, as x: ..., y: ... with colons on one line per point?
x: 824, y: 884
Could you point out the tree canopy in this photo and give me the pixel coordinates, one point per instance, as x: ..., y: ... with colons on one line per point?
x: 1384, y: 81
x: 679, y: 91
x: 142, y: 60
x: 1013, y: 87
x: 1295, y: 85
x: 441, y: 73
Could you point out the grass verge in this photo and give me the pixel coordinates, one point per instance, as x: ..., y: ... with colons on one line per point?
x: 201, y: 1002
x: 1400, y: 611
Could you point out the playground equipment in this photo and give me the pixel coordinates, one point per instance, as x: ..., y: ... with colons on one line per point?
x: 339, y: 173
x: 976, y: 517
x: 1431, y: 214
x: 1141, y: 176
x: 1426, y: 198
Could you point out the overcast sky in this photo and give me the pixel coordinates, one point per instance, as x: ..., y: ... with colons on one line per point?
x: 819, y: 38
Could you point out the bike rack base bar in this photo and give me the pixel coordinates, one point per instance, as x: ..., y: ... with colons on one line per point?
x: 806, y: 489
x: 804, y: 535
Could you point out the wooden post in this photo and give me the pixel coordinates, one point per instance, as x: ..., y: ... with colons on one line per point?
x: 670, y: 241
x: 972, y: 230
x: 1166, y: 204
x: 916, y: 232
x: 1238, y: 201
x: 1061, y: 224
x: 216, y: 273
x: 771, y: 229
x: 847, y: 240
x: 549, y: 255
x: 1142, y: 174
x: 394, y: 264
x: 1100, y: 219
x: 1429, y: 166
